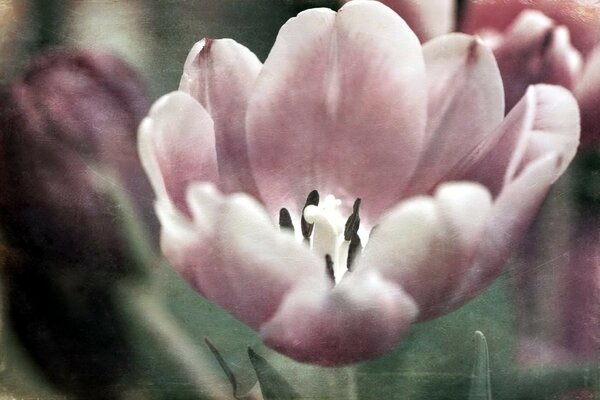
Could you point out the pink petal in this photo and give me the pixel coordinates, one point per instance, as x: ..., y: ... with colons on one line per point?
x: 545, y: 121
x: 235, y: 256
x: 363, y: 317
x: 466, y: 103
x: 587, y: 93
x: 510, y: 217
x: 177, y: 147
x: 582, y: 17
x: 220, y: 74
x: 426, y: 18
x: 180, y: 240
x: 555, y: 129
x: 339, y: 107
x: 425, y: 244
x: 497, y: 151
x: 535, y: 50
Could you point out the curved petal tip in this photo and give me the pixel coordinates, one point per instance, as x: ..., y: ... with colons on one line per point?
x: 363, y: 317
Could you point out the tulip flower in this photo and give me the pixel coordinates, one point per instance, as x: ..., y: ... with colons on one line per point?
x: 534, y: 49
x: 545, y: 41
x: 579, y: 16
x: 399, y: 186
x: 71, y: 118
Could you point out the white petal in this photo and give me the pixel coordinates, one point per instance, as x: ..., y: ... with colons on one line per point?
x: 363, y: 317
x: 177, y: 147
x: 545, y: 121
x: 247, y: 266
x: 425, y: 245
x: 465, y: 207
x: 509, y: 219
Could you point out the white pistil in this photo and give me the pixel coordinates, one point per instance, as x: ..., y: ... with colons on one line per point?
x: 328, y: 233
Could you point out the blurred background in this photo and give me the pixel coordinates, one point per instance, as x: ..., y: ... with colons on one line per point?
x: 91, y: 311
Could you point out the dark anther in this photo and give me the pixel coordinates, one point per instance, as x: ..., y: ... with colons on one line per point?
x: 353, y: 222
x: 285, y: 220
x: 329, y: 267
x: 311, y: 200
x: 353, y: 249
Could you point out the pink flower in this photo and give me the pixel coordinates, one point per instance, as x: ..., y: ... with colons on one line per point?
x: 547, y: 41
x: 542, y: 41
x: 581, y: 17
x: 352, y: 106
x: 70, y: 111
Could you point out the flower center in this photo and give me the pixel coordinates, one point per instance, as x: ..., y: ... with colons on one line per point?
x: 328, y: 233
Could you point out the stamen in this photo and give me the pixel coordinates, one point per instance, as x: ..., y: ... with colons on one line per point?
x: 285, y: 220
x: 353, y: 222
x: 353, y: 250
x: 328, y: 233
x: 329, y: 267
x: 312, y: 199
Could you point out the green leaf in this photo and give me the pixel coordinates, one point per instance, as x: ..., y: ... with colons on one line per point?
x: 272, y: 384
x: 253, y: 394
x: 224, y: 366
x: 480, y: 378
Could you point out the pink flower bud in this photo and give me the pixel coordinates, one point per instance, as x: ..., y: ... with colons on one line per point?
x: 71, y: 118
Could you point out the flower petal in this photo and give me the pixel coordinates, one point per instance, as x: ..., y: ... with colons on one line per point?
x: 535, y: 50
x: 545, y: 121
x: 220, y: 75
x: 339, y: 107
x: 426, y: 18
x: 582, y: 17
x: 588, y: 96
x: 425, y: 244
x: 363, y: 317
x: 510, y: 217
x: 177, y: 147
x: 179, y: 239
x: 555, y: 129
x: 466, y: 103
x: 238, y: 259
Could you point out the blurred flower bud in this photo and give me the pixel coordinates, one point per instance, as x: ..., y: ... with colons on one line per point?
x: 71, y: 117
x: 544, y: 41
x: 533, y: 50
x: 67, y: 132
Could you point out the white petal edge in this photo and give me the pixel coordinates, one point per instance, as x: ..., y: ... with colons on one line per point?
x: 244, y: 264
x: 177, y: 139
x: 425, y: 244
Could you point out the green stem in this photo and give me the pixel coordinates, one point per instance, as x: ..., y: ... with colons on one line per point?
x: 352, y: 389
x: 164, y: 329
x: 142, y: 250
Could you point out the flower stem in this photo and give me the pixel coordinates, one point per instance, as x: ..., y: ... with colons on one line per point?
x: 352, y: 390
x: 148, y: 304
x: 164, y: 329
